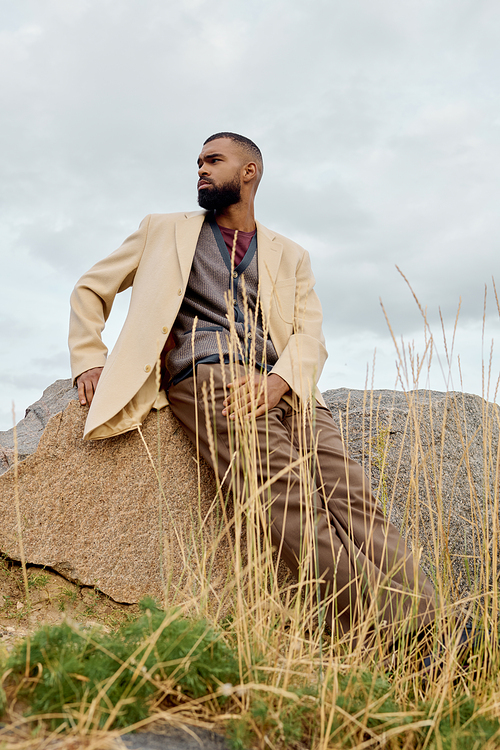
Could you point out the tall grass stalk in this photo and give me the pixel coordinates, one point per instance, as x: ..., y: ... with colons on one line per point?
x: 20, y: 531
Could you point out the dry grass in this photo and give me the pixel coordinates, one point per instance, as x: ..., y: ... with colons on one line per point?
x: 297, y: 687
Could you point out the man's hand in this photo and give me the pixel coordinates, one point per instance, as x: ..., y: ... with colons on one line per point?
x: 254, y: 395
x: 87, y: 383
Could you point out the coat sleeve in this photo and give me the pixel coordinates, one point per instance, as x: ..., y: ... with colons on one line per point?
x: 93, y: 297
x: 301, y: 361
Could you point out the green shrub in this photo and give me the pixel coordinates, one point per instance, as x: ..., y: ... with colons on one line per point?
x: 72, y: 672
x: 462, y: 729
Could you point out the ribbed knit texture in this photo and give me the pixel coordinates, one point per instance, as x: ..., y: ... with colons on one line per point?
x: 209, y: 286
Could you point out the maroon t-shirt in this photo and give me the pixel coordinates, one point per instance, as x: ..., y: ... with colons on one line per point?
x: 242, y: 243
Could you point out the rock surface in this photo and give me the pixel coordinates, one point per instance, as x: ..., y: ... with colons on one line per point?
x: 433, y: 460
x: 93, y: 511
x: 30, y: 429
x: 174, y: 738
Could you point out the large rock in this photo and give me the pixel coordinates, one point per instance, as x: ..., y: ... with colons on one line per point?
x: 434, y: 464
x: 93, y: 511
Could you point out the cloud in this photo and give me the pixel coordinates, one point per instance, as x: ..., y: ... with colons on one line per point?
x: 379, y: 127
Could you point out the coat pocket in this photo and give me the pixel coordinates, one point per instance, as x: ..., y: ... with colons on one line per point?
x: 284, y: 299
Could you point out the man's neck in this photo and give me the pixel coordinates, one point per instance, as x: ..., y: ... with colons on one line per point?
x: 238, y: 216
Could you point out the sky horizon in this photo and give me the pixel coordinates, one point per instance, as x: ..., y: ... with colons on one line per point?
x: 380, y: 128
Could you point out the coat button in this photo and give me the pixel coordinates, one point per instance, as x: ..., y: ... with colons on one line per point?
x: 250, y: 334
x: 179, y: 292
x: 147, y: 368
x: 235, y: 275
x: 235, y: 302
x: 164, y: 329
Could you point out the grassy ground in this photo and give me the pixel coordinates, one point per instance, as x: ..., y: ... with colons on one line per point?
x: 51, y: 599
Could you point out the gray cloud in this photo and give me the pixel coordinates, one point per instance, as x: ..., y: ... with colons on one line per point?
x: 378, y: 122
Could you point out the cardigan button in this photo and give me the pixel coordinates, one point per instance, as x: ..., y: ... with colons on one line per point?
x: 179, y: 292
x: 147, y: 368
x: 164, y: 329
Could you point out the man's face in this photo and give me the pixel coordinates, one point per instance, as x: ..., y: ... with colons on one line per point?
x: 219, y: 171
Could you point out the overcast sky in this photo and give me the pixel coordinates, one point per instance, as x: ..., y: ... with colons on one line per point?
x: 379, y: 121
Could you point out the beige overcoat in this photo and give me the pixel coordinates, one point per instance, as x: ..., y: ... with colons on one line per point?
x: 156, y: 261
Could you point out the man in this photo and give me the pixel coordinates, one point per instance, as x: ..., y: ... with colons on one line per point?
x: 230, y: 307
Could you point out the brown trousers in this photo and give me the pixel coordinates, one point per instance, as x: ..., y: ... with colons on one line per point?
x: 361, y: 559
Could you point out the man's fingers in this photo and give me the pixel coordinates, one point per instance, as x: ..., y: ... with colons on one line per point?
x: 85, y: 391
x: 235, y: 387
x: 239, y: 382
x: 87, y: 384
x: 245, y: 402
x: 243, y: 395
x: 253, y: 396
x: 236, y: 401
x: 261, y: 410
x: 239, y: 401
x: 81, y: 392
x: 89, y: 390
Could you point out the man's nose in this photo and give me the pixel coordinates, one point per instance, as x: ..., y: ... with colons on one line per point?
x: 202, y: 170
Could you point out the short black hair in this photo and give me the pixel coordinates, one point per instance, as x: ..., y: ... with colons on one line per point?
x: 243, y: 141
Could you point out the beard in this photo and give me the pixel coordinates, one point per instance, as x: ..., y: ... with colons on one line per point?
x: 217, y: 197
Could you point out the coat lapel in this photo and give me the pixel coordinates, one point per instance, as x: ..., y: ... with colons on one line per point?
x: 187, y: 231
x: 269, y: 252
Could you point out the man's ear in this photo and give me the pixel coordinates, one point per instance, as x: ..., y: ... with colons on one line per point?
x: 250, y: 171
